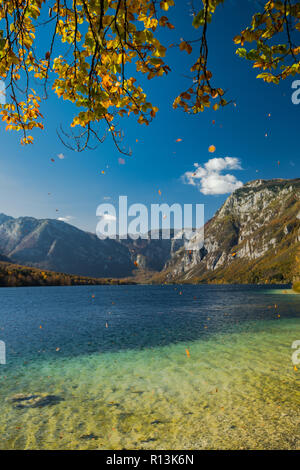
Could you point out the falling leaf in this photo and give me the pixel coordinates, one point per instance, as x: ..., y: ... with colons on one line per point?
x: 52, y: 160
x: 159, y: 192
x: 121, y: 161
x: 106, y: 325
x: 212, y: 149
x: 103, y: 172
x: 178, y: 140
x: 187, y: 353
x: 214, y: 122
x: 57, y: 349
x: 185, y: 46
x: 295, y: 369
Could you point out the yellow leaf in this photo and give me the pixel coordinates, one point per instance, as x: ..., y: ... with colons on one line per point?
x: 185, y: 46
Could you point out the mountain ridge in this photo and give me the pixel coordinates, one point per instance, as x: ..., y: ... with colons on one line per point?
x: 58, y: 246
x: 253, y: 237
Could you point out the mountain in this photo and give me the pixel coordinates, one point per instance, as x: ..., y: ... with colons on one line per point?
x: 13, y: 275
x: 152, y: 254
x: 55, y: 245
x: 254, y: 237
x: 4, y: 218
x: 4, y: 258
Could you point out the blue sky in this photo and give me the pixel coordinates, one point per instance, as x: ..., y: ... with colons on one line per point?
x: 76, y: 184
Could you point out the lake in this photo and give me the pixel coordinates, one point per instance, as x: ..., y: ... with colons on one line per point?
x: 149, y: 367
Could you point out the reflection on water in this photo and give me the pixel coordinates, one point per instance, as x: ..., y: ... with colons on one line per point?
x: 106, y: 368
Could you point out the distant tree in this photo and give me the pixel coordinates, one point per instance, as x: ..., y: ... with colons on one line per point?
x: 93, y: 45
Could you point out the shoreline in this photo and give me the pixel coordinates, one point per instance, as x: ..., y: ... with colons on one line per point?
x: 15, y: 275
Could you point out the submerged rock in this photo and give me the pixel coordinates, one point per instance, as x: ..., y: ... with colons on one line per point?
x: 35, y: 401
x: 151, y: 439
x: 22, y: 397
x: 88, y: 437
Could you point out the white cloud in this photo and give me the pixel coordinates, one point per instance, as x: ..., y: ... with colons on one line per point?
x: 209, y: 178
x: 108, y: 217
x: 66, y: 219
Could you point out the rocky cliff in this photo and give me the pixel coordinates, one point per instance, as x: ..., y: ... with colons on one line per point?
x: 253, y: 237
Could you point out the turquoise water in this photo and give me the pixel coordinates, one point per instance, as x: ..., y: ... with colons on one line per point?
x: 149, y: 367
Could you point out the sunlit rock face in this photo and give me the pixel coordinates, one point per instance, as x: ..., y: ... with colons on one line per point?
x: 253, y: 237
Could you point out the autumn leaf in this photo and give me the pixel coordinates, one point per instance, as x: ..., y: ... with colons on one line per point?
x: 185, y: 46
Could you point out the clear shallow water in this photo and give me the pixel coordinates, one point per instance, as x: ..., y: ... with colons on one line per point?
x: 111, y: 371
